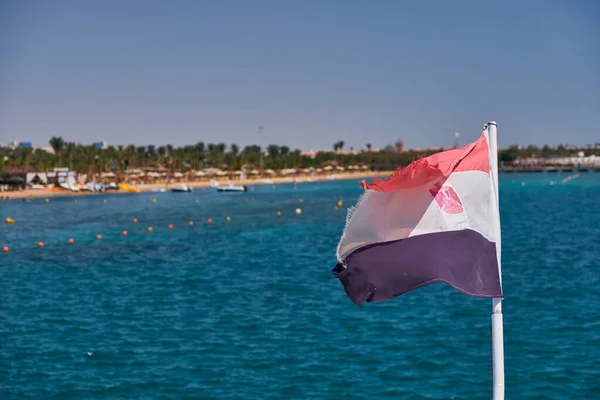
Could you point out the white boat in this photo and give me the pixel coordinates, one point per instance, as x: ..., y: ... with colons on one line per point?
x: 73, y: 188
x: 231, y: 188
x: 181, y: 188
x: 158, y: 190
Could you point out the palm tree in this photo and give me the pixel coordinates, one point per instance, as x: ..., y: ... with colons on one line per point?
x: 273, y: 151
x: 338, y: 146
x: 70, y: 149
x: 234, y: 150
x: 129, y: 156
x: 220, y: 149
x: 57, y: 144
x: 284, y: 151
x: 27, y: 152
x: 198, y: 154
x: 140, y: 153
x: 110, y: 156
x: 211, y: 154
x: 162, y: 150
x: 170, y: 151
x: 151, y: 152
x: 296, y: 155
x: 88, y: 155
x: 369, y: 147
x: 120, y: 156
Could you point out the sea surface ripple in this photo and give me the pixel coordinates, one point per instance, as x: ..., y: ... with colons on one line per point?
x: 248, y: 309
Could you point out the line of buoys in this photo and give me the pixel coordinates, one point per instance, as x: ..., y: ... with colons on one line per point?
x: 298, y: 211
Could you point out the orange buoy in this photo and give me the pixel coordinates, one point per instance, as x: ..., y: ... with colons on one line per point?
x: 135, y: 220
x: 170, y: 226
x: 40, y: 244
x: 210, y: 220
x: 98, y: 237
x: 149, y: 229
x: 71, y: 241
x: 5, y: 249
x: 246, y: 201
x: 124, y: 233
x: 191, y: 223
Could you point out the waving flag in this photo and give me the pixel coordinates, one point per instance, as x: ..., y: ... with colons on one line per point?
x: 433, y: 221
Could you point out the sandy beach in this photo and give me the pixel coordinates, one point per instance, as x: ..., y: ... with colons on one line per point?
x: 53, y: 192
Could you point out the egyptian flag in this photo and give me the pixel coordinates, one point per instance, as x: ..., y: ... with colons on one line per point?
x: 436, y: 220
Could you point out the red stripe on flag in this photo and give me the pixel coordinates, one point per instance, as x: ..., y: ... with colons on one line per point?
x: 472, y: 157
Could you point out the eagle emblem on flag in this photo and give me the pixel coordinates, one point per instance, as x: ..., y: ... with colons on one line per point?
x: 447, y: 199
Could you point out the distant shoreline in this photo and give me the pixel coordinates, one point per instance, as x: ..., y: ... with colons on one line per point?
x: 510, y: 170
x: 43, y: 193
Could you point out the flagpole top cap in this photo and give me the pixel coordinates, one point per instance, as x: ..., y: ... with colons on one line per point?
x: 485, y: 126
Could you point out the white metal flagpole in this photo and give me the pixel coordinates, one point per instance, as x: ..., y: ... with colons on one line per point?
x: 497, y: 328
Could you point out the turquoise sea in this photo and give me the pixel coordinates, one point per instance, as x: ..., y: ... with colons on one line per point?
x: 248, y: 309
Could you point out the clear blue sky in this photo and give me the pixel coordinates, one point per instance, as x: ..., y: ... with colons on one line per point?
x: 310, y: 72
